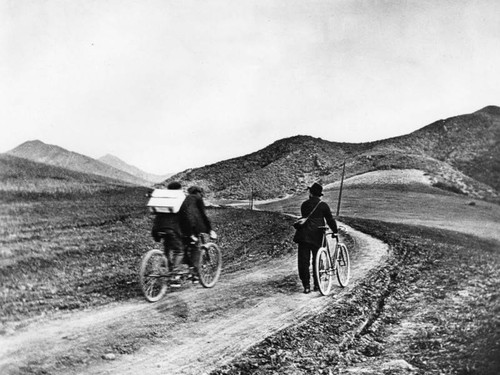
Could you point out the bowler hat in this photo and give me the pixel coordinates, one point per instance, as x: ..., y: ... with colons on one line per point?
x: 316, y: 189
x: 174, y: 185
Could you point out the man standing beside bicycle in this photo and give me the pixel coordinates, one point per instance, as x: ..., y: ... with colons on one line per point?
x: 194, y: 221
x: 309, y: 235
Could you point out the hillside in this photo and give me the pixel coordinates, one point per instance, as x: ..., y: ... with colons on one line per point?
x: 57, y: 156
x: 117, y: 163
x: 20, y: 177
x: 460, y: 154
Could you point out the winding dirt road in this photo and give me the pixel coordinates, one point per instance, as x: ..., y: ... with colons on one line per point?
x: 192, y: 331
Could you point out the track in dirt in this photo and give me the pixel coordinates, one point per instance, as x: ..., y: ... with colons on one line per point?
x: 189, y: 332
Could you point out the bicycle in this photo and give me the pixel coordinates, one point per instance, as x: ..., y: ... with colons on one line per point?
x: 327, y: 264
x: 155, y: 276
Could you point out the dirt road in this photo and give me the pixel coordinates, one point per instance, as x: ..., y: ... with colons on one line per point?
x: 191, y: 331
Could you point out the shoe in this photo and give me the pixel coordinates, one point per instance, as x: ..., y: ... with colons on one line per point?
x: 175, y: 282
x: 195, y: 279
x: 316, y: 289
x: 307, y: 290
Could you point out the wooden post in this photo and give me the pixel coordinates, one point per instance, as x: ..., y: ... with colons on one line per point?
x: 251, y: 197
x: 340, y: 191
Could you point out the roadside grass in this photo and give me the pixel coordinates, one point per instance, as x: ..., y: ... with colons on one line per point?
x: 80, y: 251
x: 408, y: 204
x: 435, y: 305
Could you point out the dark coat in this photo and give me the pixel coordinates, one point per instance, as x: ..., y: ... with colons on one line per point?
x: 193, y: 217
x: 309, y: 233
x: 163, y: 222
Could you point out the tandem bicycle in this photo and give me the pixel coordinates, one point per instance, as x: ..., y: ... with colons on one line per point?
x: 155, y: 275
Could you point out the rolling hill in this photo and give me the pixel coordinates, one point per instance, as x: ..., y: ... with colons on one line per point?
x: 27, y: 178
x: 117, y: 163
x: 460, y: 154
x: 57, y: 156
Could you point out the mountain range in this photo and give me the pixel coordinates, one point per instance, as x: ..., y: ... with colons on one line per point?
x: 108, y: 166
x: 461, y: 154
x: 119, y: 164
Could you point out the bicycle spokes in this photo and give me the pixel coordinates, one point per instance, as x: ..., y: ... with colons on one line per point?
x: 343, y: 265
x: 152, y: 272
x: 210, y: 265
x: 324, y: 271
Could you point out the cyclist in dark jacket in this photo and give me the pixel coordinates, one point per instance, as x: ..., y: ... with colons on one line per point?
x: 168, y: 223
x: 309, y: 237
x: 193, y: 221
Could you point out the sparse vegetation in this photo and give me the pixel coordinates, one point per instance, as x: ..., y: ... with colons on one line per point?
x: 52, y: 155
x: 434, y: 307
x: 458, y: 148
x: 71, y: 241
x: 74, y: 252
x: 448, y: 187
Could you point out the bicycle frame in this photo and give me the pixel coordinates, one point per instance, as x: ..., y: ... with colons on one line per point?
x: 329, y: 263
x: 154, y: 272
x: 326, y: 244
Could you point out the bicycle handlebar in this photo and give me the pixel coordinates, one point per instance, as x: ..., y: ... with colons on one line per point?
x: 341, y: 229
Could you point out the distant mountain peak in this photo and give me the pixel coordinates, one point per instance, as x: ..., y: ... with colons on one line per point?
x: 463, y: 145
x: 110, y: 157
x: 118, y: 163
x: 490, y: 109
x: 36, y: 146
x: 35, y: 142
x: 32, y: 143
x: 41, y: 152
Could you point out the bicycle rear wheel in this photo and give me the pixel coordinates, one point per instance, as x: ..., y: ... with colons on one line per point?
x: 324, y: 271
x: 210, y: 265
x: 153, y: 275
x: 343, y: 265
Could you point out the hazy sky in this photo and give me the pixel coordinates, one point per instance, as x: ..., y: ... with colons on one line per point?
x: 167, y: 85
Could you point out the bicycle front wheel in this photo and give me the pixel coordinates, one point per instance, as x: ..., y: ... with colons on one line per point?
x: 324, y: 271
x: 210, y: 265
x: 343, y: 265
x: 153, y: 275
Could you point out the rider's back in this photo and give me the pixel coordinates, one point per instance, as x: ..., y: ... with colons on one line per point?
x: 165, y: 204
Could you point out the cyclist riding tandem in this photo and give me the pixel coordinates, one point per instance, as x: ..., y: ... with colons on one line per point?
x: 160, y: 270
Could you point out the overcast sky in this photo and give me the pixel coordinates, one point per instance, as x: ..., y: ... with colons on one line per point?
x: 168, y: 85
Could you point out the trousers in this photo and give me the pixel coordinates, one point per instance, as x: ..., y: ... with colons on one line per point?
x: 174, y: 249
x: 304, y: 263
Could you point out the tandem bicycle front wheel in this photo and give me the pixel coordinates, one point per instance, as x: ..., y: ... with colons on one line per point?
x: 210, y: 265
x: 153, y: 273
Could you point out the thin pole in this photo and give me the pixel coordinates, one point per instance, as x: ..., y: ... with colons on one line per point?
x: 340, y: 191
x: 251, y: 198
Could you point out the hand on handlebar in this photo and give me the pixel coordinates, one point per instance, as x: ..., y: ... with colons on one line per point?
x: 342, y: 230
x: 213, y: 235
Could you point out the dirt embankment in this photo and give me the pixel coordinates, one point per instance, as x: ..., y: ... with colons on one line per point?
x: 191, y: 331
x: 432, y: 308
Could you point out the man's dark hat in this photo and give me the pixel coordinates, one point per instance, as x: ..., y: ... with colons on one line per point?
x: 174, y: 185
x: 195, y: 189
x: 316, y: 189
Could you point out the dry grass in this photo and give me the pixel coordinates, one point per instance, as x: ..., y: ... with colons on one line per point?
x: 434, y: 305
x: 60, y: 254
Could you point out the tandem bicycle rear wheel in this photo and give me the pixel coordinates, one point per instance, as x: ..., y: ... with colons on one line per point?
x: 153, y: 274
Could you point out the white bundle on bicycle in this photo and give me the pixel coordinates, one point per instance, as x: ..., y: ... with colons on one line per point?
x: 166, y: 201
